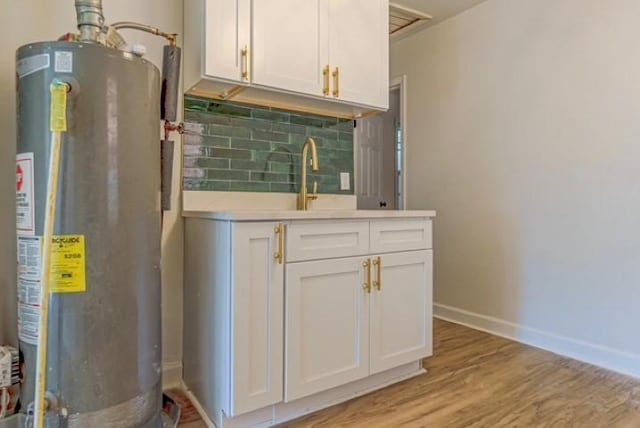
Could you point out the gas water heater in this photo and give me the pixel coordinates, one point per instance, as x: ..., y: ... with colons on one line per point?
x: 88, y: 180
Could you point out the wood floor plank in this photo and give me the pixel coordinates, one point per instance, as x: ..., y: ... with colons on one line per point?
x: 476, y: 380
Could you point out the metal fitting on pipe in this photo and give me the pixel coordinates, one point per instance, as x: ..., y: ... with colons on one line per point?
x: 90, y: 19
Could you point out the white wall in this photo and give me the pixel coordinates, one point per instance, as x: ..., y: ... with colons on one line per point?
x: 51, y: 19
x: 13, y: 31
x: 524, y: 135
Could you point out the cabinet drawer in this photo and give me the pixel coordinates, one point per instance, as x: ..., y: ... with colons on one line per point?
x: 325, y: 240
x: 400, y: 235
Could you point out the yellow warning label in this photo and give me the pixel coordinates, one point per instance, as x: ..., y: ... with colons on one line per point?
x: 58, y: 107
x: 68, y: 264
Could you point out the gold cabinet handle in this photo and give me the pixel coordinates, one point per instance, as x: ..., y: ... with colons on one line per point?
x: 325, y: 74
x: 279, y: 255
x: 336, y: 82
x: 245, y: 63
x: 377, y: 283
x: 367, y: 275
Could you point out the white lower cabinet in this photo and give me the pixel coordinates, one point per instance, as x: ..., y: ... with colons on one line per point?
x: 327, y: 326
x: 233, y: 316
x: 352, y: 317
x: 282, y: 318
x: 401, y: 309
x: 256, y: 319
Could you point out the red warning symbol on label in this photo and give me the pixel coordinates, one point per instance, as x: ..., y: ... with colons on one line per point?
x: 19, y: 178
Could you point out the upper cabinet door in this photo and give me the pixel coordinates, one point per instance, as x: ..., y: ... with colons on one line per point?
x: 359, y: 51
x: 257, y: 322
x: 401, y: 309
x: 227, y: 35
x: 290, y: 45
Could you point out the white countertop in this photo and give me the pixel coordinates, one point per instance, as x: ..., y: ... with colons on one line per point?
x: 265, y: 215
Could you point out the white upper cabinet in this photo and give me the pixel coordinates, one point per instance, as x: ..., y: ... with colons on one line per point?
x: 290, y: 44
x: 359, y: 51
x: 328, y: 56
x: 333, y: 48
x: 227, y: 39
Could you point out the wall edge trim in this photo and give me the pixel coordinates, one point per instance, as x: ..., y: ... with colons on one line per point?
x: 171, y: 374
x: 616, y: 360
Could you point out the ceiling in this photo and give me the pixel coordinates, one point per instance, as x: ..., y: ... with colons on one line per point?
x: 438, y: 9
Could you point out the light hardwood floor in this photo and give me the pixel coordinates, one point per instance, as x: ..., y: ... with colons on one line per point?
x: 479, y: 380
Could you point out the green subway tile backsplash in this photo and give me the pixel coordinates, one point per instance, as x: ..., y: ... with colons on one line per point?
x: 245, y: 148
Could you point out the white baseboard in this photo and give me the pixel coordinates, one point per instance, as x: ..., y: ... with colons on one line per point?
x: 609, y: 358
x: 283, y: 412
x: 171, y: 375
x: 203, y: 414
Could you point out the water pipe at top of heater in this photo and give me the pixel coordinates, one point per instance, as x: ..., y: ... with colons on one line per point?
x: 91, y: 23
x: 171, y: 37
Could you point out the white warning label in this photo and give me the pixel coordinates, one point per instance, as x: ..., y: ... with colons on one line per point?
x: 29, y: 292
x: 63, y: 62
x: 31, y: 64
x: 28, y: 318
x: 25, y: 206
x: 29, y: 268
x: 29, y: 255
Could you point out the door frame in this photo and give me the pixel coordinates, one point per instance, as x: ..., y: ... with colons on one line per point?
x: 400, y: 82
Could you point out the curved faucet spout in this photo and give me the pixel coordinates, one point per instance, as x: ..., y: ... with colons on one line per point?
x: 304, y: 197
x: 314, y: 153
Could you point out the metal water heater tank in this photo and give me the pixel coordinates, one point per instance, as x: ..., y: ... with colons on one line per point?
x: 104, y: 353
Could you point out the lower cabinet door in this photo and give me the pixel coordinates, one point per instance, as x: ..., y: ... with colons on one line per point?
x: 401, y: 309
x: 326, y: 326
x: 257, y: 299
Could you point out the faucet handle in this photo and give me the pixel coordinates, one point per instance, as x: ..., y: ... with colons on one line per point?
x: 314, y: 195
